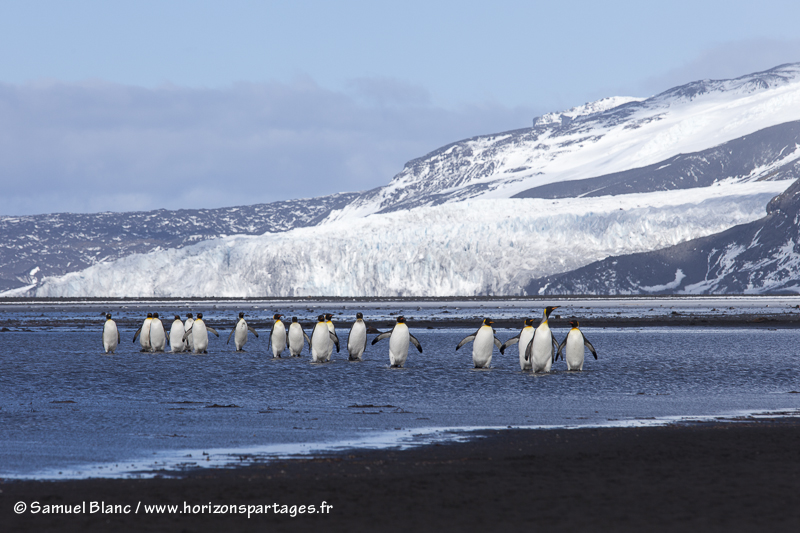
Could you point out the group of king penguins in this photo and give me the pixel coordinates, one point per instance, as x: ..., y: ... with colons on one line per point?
x: 538, y: 347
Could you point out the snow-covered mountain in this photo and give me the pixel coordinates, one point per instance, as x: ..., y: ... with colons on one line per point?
x: 755, y: 258
x: 490, y: 214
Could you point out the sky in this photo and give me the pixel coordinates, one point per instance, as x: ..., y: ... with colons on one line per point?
x: 128, y: 106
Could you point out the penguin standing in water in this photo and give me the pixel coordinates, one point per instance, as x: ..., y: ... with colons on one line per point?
x: 199, y: 332
x: 110, y: 335
x: 322, y: 341
x: 574, y: 343
x: 543, y: 346
x: 240, y: 331
x: 277, y: 337
x: 176, y: 332
x: 296, y: 338
x: 399, y: 339
x: 483, y: 344
x: 523, y: 339
x: 158, y: 335
x: 186, y: 327
x: 144, y: 340
x: 357, y: 339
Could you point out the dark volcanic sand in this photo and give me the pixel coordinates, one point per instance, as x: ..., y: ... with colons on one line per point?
x: 741, y: 476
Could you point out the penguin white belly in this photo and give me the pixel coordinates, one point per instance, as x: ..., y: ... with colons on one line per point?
x: 542, y: 350
x: 176, y: 332
x: 190, y: 338
x: 321, y: 344
x: 482, y: 347
x: 278, y: 339
x: 144, y: 337
x: 524, y: 339
x: 110, y: 336
x: 158, y: 340
x: 295, y: 339
x: 357, y: 340
x: 240, y: 336
x: 398, y: 345
x: 574, y: 350
x: 199, y: 336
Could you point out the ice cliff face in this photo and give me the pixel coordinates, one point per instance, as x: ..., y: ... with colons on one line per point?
x: 466, y: 248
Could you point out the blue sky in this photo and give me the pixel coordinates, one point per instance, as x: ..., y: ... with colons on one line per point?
x: 142, y: 105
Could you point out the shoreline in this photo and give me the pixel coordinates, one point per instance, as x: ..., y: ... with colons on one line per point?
x: 740, y: 475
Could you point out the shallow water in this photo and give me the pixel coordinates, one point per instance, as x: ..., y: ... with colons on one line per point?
x: 67, y: 407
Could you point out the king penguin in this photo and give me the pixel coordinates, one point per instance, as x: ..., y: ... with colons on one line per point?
x: 296, y: 337
x: 399, y: 339
x: 523, y: 338
x: 574, y: 343
x: 144, y: 330
x: 199, y: 332
x: 176, y: 332
x: 186, y: 327
x: 543, y: 346
x: 239, y: 333
x: 483, y: 344
x: 277, y: 337
x: 357, y: 339
x: 322, y: 341
x: 110, y: 335
x: 158, y: 335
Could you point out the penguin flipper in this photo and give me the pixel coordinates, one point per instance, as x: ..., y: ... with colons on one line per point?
x: 465, y: 340
x: 186, y: 334
x: 253, y: 331
x: 118, y: 337
x: 529, y: 348
x: 497, y: 342
x: 335, y: 340
x: 560, y: 347
x: 415, y: 342
x: 230, y: 335
x: 509, y: 342
x: 136, y: 334
x: 382, y: 336
x: 307, y: 340
x: 212, y: 330
x: 555, y: 345
x: 589, y: 345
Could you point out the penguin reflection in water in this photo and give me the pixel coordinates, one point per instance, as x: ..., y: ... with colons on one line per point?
x: 542, y: 348
x: 199, y: 332
x: 322, y: 341
x: 483, y: 344
x: 110, y: 335
x: 574, y: 344
x: 239, y: 333
x: 399, y: 339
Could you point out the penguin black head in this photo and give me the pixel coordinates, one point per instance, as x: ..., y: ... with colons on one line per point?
x: 199, y: 315
x: 189, y: 315
x: 155, y: 315
x: 359, y: 316
x: 294, y: 319
x: 573, y: 323
x: 241, y: 314
x: 549, y: 310
x: 108, y: 316
x: 321, y: 318
x: 401, y: 320
x: 528, y: 321
x: 177, y: 317
x: 276, y: 316
x: 328, y: 316
x: 488, y: 321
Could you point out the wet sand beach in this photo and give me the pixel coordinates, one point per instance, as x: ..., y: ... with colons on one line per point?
x: 728, y: 476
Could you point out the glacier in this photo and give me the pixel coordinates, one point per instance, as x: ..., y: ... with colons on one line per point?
x: 475, y: 247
